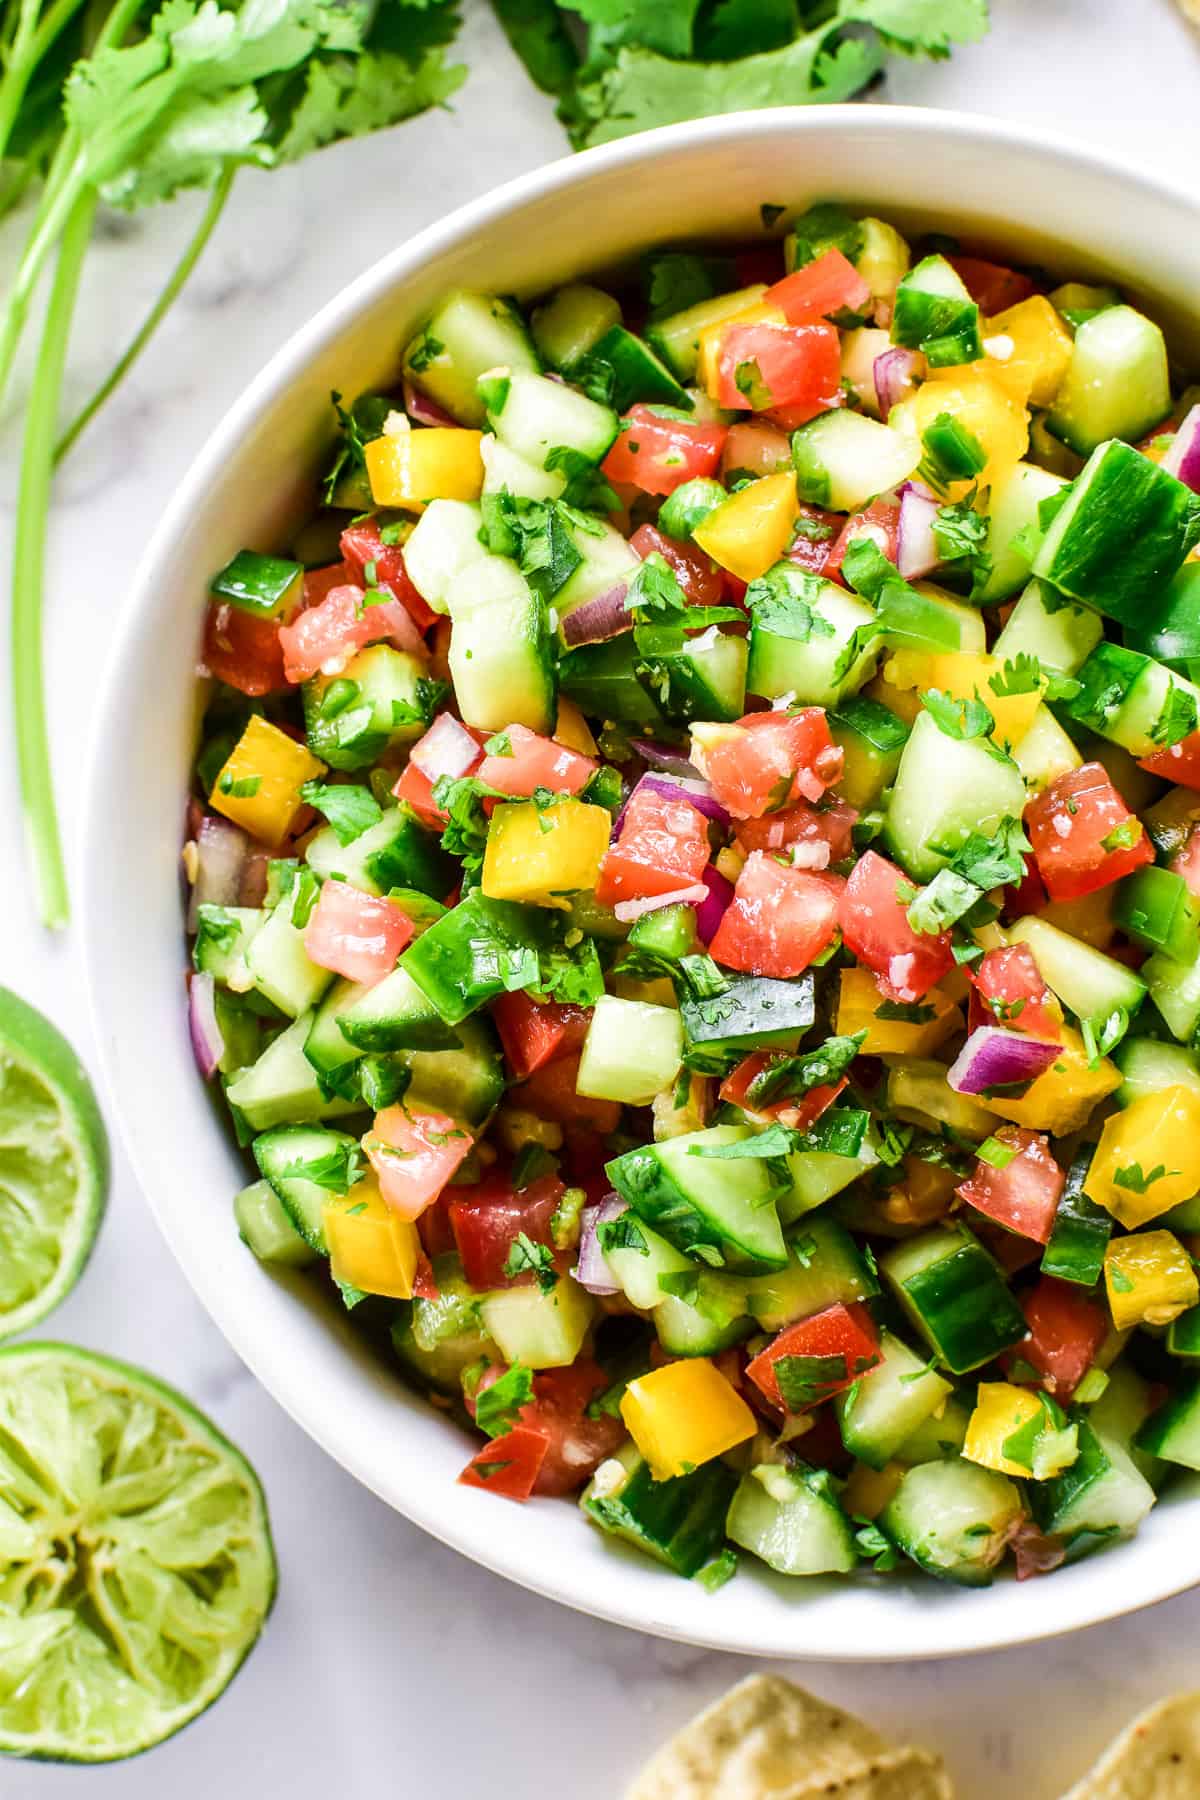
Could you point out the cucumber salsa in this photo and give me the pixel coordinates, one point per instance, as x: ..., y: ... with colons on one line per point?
x: 695, y: 896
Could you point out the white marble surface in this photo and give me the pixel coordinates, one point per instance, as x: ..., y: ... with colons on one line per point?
x: 390, y: 1663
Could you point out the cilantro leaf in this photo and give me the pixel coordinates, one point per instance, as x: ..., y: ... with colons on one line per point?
x: 776, y: 1140
x: 586, y: 487
x: 948, y: 897
x: 350, y: 809
x: 538, y: 34
x: 498, y: 1407
x: 791, y: 1077
x: 527, y: 1258
x: 804, y: 1381
x: 962, y: 536
x: 1136, y: 1181
x: 907, y: 1012
x: 1178, y: 718
x: 783, y: 602
x: 991, y: 862
x: 535, y: 534
x: 660, y: 610
x: 1123, y: 836
x: 958, y: 718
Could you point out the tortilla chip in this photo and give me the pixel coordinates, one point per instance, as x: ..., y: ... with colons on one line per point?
x: 896, y: 1775
x: 1192, y: 10
x: 1156, y: 1758
x: 765, y: 1740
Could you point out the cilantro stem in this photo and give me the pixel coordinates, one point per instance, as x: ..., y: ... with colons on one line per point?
x: 155, y: 316
x: 29, y: 550
x: 31, y: 40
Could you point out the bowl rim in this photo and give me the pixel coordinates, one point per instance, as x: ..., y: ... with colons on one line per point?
x: 289, y: 360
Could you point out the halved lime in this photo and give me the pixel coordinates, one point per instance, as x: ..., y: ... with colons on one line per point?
x: 136, y: 1564
x: 53, y: 1166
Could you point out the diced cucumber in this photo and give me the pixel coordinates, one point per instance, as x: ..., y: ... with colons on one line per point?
x: 1061, y: 635
x: 466, y: 335
x: 631, y: 1052
x: 467, y: 1083
x: 843, y: 459
x: 504, y: 472
x: 1123, y: 530
x: 1013, y: 503
x: 268, y: 587
x: 706, y: 679
x: 1081, y: 1231
x: 695, y: 1199
x: 625, y: 371
x: 1117, y: 385
x: 637, y: 1264
x: 1155, y: 908
x: 754, y: 1012
x: 817, y: 1175
x: 1121, y: 1411
x: 1091, y: 984
x: 871, y: 738
x: 917, y: 1090
x: 1077, y: 300
x: 940, y: 1438
x: 1173, y: 1432
x: 1044, y: 752
x: 690, y: 505
x: 393, y: 1014
x: 934, y: 312
x: 883, y: 1409
x: 1103, y: 1495
x: 1170, y: 627
x: 277, y: 961
x: 1183, y: 1335
x: 1174, y: 988
x: 824, y: 1266
x: 606, y: 561
x: 1148, y: 1065
x: 389, y: 703
x: 791, y: 1521
x: 439, y: 1339
x: 712, y: 1325
x: 396, y: 852
x: 883, y: 258
x: 677, y: 337
x: 1132, y: 700
x: 860, y: 348
x: 801, y: 657
x: 945, y: 789
x: 953, y: 1519
x: 223, y: 935
x: 922, y: 616
x: 477, y: 950
x: 543, y: 1331
x: 443, y: 542
x: 681, y: 1522
x: 534, y: 415
x: 571, y: 322
x: 305, y: 1165
x: 602, y: 680
x: 500, y: 657
x: 329, y: 1051
x: 282, y: 1086
x: 265, y: 1228
x: 956, y: 1295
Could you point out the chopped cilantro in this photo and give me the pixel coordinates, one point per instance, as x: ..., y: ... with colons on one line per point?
x: 803, y: 1381
x: 791, y: 1077
x: 498, y: 1407
x: 907, y: 1012
x: 350, y: 809
x: 962, y: 719
x: 242, y: 787
x: 783, y: 602
x: 1136, y: 1181
x: 527, y: 1258
x: 1123, y: 836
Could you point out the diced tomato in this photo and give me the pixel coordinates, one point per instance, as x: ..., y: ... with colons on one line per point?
x: 790, y: 418
x: 1023, y: 1195
x: 575, y: 1443
x: 1179, y: 762
x: 1084, y: 836
x: 536, y: 762
x: 663, y: 846
x: 771, y: 366
x: 992, y: 286
x: 697, y: 575
x: 779, y: 919
x: 550, y: 1093
x: 798, y: 1114
x: 1029, y: 895
x: 488, y: 1218
x: 508, y: 1465
x: 414, y: 1155
x: 243, y: 651
x: 769, y: 761
x: 658, y: 455
x: 874, y: 921
x: 424, y: 1282
x: 828, y: 285
x: 1009, y: 991
x: 827, y: 827
x: 323, y: 638
x: 433, y: 1228
x: 752, y: 448
x: 879, y: 521
x: 847, y: 1335
x: 358, y: 935
x: 532, y: 1034
x: 1066, y: 1329
x: 366, y: 552
x: 416, y: 790
x: 1186, y: 862
x: 817, y: 532
x: 319, y: 583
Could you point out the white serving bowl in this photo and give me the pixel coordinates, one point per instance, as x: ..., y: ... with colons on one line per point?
x: 1036, y: 197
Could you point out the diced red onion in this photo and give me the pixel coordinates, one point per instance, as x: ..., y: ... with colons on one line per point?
x: 252, y: 890
x: 629, y: 910
x: 693, y: 789
x: 391, y: 620
x: 592, y: 1271
x: 993, y: 1057
x: 1183, y: 458
x: 421, y: 409
x: 895, y: 373
x: 600, y: 619
x: 711, y: 910
x: 447, y: 748
x: 221, y: 852
x: 917, y: 553
x: 208, y: 1045
x: 664, y: 758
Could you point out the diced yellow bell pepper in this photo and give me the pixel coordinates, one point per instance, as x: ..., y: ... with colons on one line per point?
x: 748, y: 533
x: 982, y: 406
x: 409, y: 468
x: 1148, y: 1157
x: 967, y: 676
x: 860, y: 1003
x: 1001, y: 1411
x: 1041, y: 347
x: 905, y: 702
x: 370, y: 1246
x: 683, y: 1415
x: 708, y: 367
x: 1063, y: 1096
x: 259, y: 786
x: 868, y: 1491
x: 1090, y: 918
x: 571, y: 729
x: 1150, y: 1279
x: 539, y: 854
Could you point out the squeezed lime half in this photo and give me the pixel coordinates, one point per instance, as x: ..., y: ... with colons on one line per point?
x: 53, y: 1166
x: 136, y: 1564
